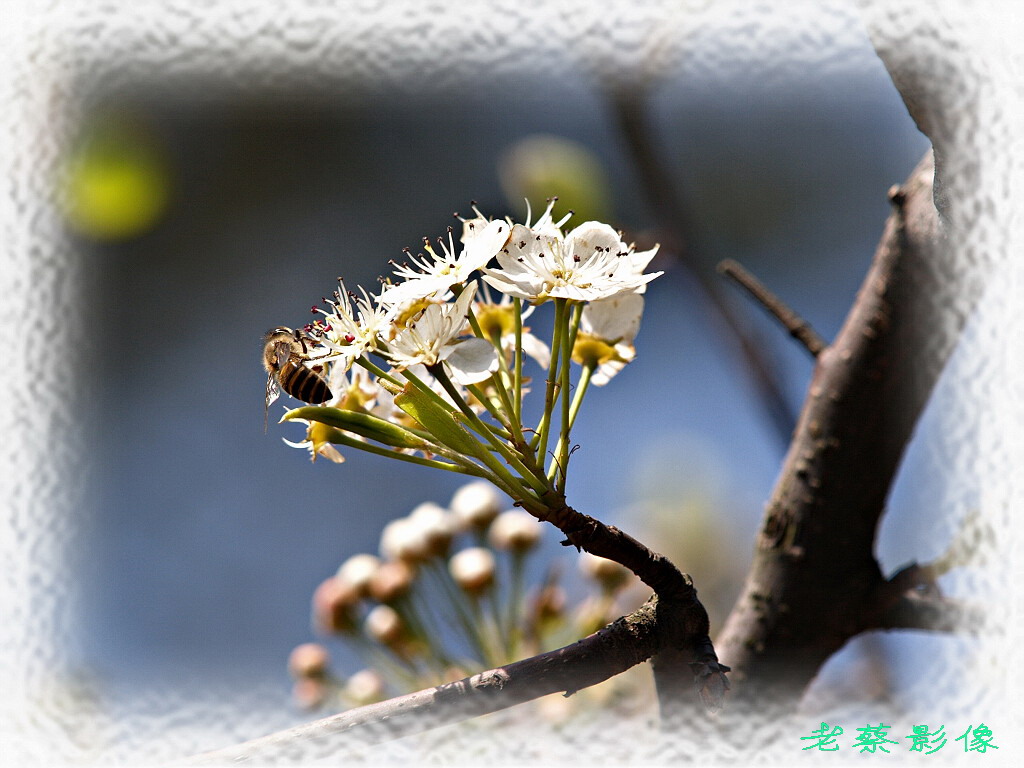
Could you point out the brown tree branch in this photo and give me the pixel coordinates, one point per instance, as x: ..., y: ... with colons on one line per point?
x: 795, y: 325
x: 688, y: 656
x: 814, y: 579
x: 933, y: 613
x: 672, y: 623
x: 626, y: 642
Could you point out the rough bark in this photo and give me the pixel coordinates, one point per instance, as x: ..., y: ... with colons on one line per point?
x: 815, y: 582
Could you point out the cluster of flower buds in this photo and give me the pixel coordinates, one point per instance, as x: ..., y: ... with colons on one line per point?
x: 449, y: 595
x: 431, y: 370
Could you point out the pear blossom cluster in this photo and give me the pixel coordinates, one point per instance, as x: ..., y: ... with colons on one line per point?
x: 435, y: 367
x: 449, y: 593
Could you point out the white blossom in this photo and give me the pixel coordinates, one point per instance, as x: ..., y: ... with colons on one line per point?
x: 607, y: 330
x: 514, y: 530
x: 588, y: 264
x: 499, y: 319
x: 476, y: 504
x: 473, y: 569
x: 433, y: 337
x: 356, y: 324
x: 436, y: 273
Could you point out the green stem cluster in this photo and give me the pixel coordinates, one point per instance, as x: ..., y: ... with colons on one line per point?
x: 447, y: 431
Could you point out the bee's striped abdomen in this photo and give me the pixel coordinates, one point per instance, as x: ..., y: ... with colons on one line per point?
x: 303, y: 384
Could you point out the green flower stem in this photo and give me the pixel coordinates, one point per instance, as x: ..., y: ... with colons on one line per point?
x: 503, y: 450
x: 421, y: 385
x: 535, y: 440
x: 515, y: 595
x: 363, y: 424
x: 563, y: 392
x: 472, y: 420
x: 517, y: 439
x: 364, y: 362
x: 389, y: 662
x: 435, y: 655
x: 496, y: 412
x: 517, y: 413
x: 471, y: 316
x: 490, y: 657
x: 459, y: 465
x: 502, y: 379
x: 502, y: 383
x: 557, y: 337
x: 574, y: 325
x: 494, y: 623
x: 438, y: 372
x: 457, y: 598
x: 581, y: 390
x: 569, y: 410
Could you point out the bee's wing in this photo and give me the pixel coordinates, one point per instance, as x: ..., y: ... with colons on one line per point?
x: 282, y: 353
x: 273, y: 392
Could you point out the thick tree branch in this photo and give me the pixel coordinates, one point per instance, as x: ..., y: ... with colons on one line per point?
x: 625, y: 643
x: 688, y: 656
x: 814, y: 577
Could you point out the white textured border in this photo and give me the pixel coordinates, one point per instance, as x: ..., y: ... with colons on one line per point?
x: 49, y: 52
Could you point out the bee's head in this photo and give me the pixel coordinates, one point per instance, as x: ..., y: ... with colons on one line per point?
x: 279, y: 333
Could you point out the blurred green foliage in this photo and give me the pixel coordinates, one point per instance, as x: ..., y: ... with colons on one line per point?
x: 541, y: 165
x: 117, y: 179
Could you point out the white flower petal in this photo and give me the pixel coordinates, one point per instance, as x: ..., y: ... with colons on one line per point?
x: 593, y: 235
x: 414, y: 289
x: 614, y: 318
x: 500, y: 281
x: 471, y: 360
x: 535, y: 348
x: 639, y: 260
x: 483, y: 246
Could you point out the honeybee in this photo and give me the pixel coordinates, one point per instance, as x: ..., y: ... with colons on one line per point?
x: 285, y: 354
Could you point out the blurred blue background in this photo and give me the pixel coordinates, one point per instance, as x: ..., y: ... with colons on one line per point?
x: 202, y: 539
